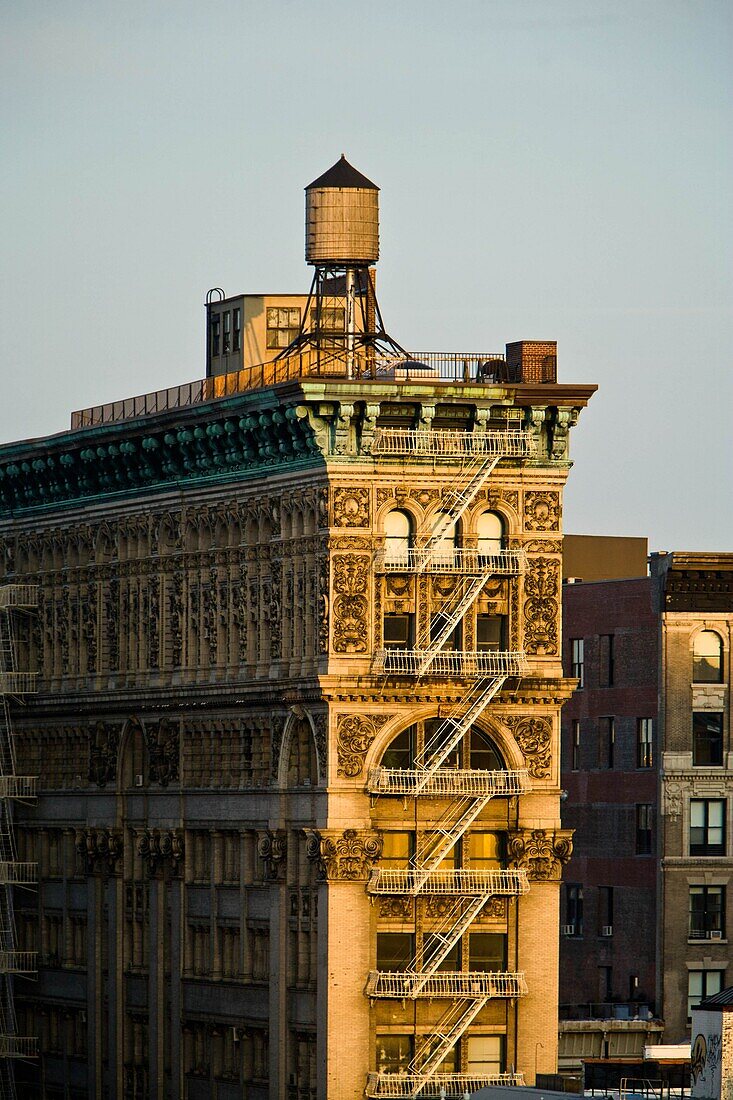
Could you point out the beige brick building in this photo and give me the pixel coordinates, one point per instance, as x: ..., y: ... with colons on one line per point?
x: 296, y: 729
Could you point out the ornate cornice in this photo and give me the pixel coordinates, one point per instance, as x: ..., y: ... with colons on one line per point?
x: 137, y: 456
x: 540, y: 852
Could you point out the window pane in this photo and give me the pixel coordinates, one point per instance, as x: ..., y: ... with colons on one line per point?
x: 484, y: 753
x: 485, y: 1054
x: 396, y: 850
x: 487, y: 951
x: 400, y: 753
x: 394, y: 1053
x: 490, y: 531
x: 485, y: 851
x: 707, y: 665
x: 395, y: 950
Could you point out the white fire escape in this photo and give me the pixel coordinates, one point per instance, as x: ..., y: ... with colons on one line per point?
x: 468, y: 790
x: 13, y: 684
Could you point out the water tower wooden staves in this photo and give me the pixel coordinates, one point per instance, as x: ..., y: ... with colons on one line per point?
x: 342, y: 321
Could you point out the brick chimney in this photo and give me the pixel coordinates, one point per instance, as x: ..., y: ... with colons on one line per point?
x: 532, y: 361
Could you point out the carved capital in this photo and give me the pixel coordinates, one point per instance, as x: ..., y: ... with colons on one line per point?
x: 350, y: 507
x: 346, y: 857
x: 101, y: 849
x: 272, y: 848
x: 540, y: 852
x: 161, y: 849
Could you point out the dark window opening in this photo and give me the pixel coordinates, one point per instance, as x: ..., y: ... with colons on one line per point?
x: 707, y: 739
x: 644, y: 826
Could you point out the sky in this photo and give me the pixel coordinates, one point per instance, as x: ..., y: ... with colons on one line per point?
x: 549, y: 169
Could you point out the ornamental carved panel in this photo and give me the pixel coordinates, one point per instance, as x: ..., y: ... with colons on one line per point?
x: 346, y: 857
x: 356, y: 733
x: 104, y: 744
x: 534, y: 738
x: 541, y: 606
x: 540, y: 852
x: 399, y: 908
x: 350, y: 604
x: 541, y: 511
x: 350, y: 507
x: 163, y: 743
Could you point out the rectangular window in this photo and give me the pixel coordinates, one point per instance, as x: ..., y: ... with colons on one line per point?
x: 707, y: 912
x: 332, y: 320
x: 227, y: 344
x: 396, y: 850
x: 707, y: 739
x: 707, y: 827
x: 702, y: 984
x: 605, y: 983
x: 644, y: 825
x: 485, y: 851
x: 577, y: 662
x: 487, y: 951
x: 237, y: 329
x: 605, y: 910
x: 574, y: 909
x: 394, y: 1053
x: 283, y: 325
x: 490, y: 633
x: 607, y: 660
x: 395, y: 950
x: 438, y: 623
x: 575, y: 744
x: 644, y: 751
x: 485, y: 1055
x: 450, y: 962
x: 398, y: 631
x: 215, y: 333
x: 607, y: 741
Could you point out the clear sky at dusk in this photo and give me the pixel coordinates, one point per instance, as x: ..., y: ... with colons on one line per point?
x: 550, y: 169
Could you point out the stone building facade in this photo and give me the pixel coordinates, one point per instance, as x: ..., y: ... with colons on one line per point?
x: 231, y: 894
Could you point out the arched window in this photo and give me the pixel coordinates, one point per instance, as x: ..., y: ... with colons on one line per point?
x: 477, y: 750
x: 448, y: 537
x: 707, y: 658
x: 490, y: 531
x: 484, y: 753
x: 302, y: 760
x: 397, y: 538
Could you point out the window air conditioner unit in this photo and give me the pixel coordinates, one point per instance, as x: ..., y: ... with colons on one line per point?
x: 568, y: 929
x: 607, y: 930
x: 138, y: 780
x: 716, y: 935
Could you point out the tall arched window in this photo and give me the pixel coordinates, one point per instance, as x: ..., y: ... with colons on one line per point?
x: 397, y: 538
x: 448, y: 540
x: 475, y: 750
x: 707, y: 658
x: 490, y: 531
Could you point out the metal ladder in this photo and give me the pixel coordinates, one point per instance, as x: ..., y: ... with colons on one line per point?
x: 12, y: 871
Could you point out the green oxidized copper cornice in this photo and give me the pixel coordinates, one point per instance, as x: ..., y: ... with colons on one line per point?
x: 151, y: 453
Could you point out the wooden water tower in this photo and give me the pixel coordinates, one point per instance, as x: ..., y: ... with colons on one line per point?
x: 342, y: 320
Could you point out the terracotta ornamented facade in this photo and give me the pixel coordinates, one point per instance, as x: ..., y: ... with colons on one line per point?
x: 100, y: 849
x: 348, y: 856
x: 161, y: 850
x: 541, y: 591
x: 350, y: 603
x: 539, y: 852
x: 541, y: 511
x: 533, y: 735
x: 356, y: 733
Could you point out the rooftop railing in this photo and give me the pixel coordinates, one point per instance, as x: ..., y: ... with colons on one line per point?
x: 431, y: 366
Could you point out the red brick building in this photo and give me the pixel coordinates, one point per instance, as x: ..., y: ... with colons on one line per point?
x: 648, y: 772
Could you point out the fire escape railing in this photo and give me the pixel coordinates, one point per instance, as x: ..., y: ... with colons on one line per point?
x: 13, y: 872
x: 469, y: 790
